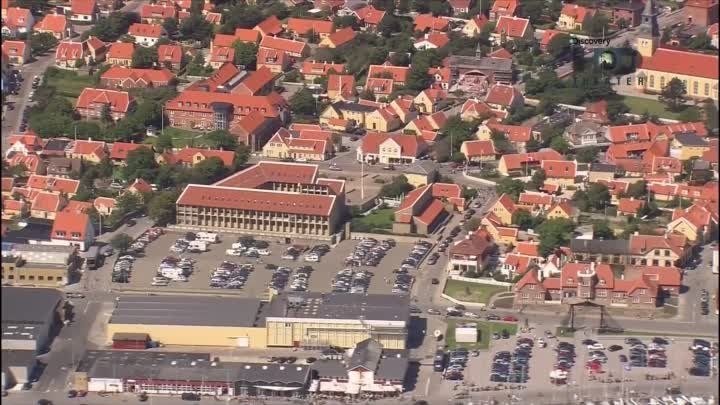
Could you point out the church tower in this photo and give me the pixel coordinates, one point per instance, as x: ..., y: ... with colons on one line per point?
x: 649, y: 33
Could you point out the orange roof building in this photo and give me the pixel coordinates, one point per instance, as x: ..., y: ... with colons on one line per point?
x: 93, y: 103
x: 72, y: 229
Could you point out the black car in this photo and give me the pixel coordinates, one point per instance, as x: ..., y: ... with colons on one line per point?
x: 588, y: 342
x: 615, y: 348
x: 660, y: 341
x: 505, y: 334
x: 623, y: 358
x: 492, y: 317
x: 190, y: 396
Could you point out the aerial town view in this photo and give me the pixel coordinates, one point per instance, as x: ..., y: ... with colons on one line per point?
x: 378, y: 202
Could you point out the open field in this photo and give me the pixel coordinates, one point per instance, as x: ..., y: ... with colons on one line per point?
x: 485, y: 331
x: 472, y: 292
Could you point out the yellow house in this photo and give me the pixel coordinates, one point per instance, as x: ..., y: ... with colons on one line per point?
x: 686, y: 146
x: 573, y: 17
x: 501, y: 234
x: 427, y: 101
x: 88, y: 151
x: 697, y: 71
x: 503, y: 209
x: 283, y: 145
x: 348, y: 111
x: 562, y: 209
x: 382, y: 120
x: 474, y: 26
x: 697, y: 223
x: 560, y: 172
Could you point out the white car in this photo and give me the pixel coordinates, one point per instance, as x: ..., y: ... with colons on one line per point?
x: 263, y: 252
x: 469, y: 314
x: 234, y: 252
x: 312, y: 258
x: 596, y: 346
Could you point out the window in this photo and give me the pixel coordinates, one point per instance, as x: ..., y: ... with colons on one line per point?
x: 695, y: 87
x: 652, y: 81
x: 662, y: 81
x: 707, y: 89
x: 667, y: 252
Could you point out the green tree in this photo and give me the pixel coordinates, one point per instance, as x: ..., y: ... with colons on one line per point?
x: 399, y: 186
x: 553, y: 234
x: 221, y: 139
x: 110, y: 29
x: 559, y: 45
x: 242, y: 155
x: 49, y: 125
x: 511, y: 187
x: 560, y: 144
x: 538, y: 179
x: 587, y: 155
x: 171, y: 27
x: 596, y: 197
x: 144, y: 57
x: 602, y: 230
x: 303, y: 102
x: 523, y: 219
x: 700, y: 41
x: 197, y: 28
x: 245, y: 54
x: 42, y: 42
x: 689, y: 114
x: 209, y: 171
x: 472, y: 224
x: 140, y: 163
x: 127, y: 203
x: 162, y: 207
x: 711, y: 115
x: 597, y: 25
x: 121, y: 242
x: 673, y: 95
x: 164, y: 142
x: 637, y: 189
x: 242, y: 16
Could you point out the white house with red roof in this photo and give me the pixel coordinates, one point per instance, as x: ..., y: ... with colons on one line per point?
x: 479, y: 151
x: 120, y: 53
x: 390, y: 148
x: 271, y: 26
x: 284, y: 145
x: 70, y: 54
x: 17, y: 21
x: 130, y: 78
x: 296, y: 49
x: 16, y: 52
x: 698, y: 222
x: 511, y: 28
x: 25, y: 144
x: 72, y: 229
x: 430, y: 23
x: 432, y: 40
x: 503, y: 97
x: 573, y: 17
x: 369, y: 18
x: 55, y: 24
x: 422, y: 209
x: 560, y: 172
x: 147, y: 35
x: 85, y: 11
x: 120, y: 150
x: 500, y: 8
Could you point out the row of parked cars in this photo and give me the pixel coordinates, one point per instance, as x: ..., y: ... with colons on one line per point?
x: 652, y: 355
x: 279, y: 278
x: 301, y: 278
x: 230, y: 275
x: 172, y: 268
x: 353, y: 282
x: 449, y: 239
x: 403, y: 283
x: 566, y: 355
x: 702, y: 365
x: 705, y: 302
x: 419, y: 250
x: 122, y: 269
x: 316, y: 252
x: 513, y: 367
x: 453, y: 363
x: 369, y: 252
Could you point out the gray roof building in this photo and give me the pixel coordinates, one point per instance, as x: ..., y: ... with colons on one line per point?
x: 608, y: 247
x: 379, y: 307
x: 602, y: 168
x: 186, y: 310
x: 690, y: 139
x: 29, y: 305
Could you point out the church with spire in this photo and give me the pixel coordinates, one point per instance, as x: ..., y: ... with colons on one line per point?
x: 658, y: 65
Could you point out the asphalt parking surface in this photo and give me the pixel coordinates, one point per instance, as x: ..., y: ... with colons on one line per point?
x: 145, y: 267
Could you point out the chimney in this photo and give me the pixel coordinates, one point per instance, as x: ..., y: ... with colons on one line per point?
x: 636, y: 233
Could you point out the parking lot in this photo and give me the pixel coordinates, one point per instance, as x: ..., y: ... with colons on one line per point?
x: 145, y: 268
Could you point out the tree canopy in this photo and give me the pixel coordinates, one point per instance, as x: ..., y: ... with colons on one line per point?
x: 511, y: 187
x: 674, y: 94
x: 554, y: 233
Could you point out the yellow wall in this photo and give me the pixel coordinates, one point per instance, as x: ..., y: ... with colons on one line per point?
x: 682, y: 227
x: 654, y: 82
x: 560, y: 181
x: 88, y: 158
x: 471, y: 29
x: 502, y: 168
x: 424, y: 104
x: 289, y: 334
x: 417, y: 180
x: 557, y: 213
x: 275, y: 150
x: 483, y: 133
x: 502, y: 213
x: 689, y: 152
x: 566, y: 22
x: 193, y: 335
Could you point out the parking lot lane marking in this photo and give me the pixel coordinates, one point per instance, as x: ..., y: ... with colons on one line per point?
x: 427, y: 386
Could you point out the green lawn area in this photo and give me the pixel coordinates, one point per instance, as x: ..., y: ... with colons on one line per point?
x: 485, y: 331
x: 181, y: 138
x: 472, y: 292
x: 639, y: 333
x: 68, y: 83
x: 380, y: 219
x: 564, y: 332
x: 639, y: 105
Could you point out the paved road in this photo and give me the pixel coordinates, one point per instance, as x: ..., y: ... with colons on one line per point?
x: 11, y: 120
x: 133, y: 6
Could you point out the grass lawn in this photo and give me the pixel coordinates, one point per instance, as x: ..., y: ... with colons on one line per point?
x: 471, y: 292
x: 68, y: 83
x: 564, y: 332
x: 485, y: 331
x: 380, y: 219
x: 639, y: 333
x: 639, y: 105
x: 182, y: 138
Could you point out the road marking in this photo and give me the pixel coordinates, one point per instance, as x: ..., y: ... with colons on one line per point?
x: 427, y: 386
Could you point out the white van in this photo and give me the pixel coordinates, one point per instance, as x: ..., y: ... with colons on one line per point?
x: 160, y: 283
x: 209, y: 237
x: 233, y: 252
x: 263, y: 252
x: 198, y: 245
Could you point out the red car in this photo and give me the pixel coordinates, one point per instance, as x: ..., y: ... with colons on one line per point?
x: 509, y: 318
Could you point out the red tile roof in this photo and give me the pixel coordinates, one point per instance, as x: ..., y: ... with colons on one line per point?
x: 502, y: 94
x: 504, y: 7
x: 222, y: 54
x: 565, y: 206
x: 535, y: 199
x: 121, y: 50
x: 559, y: 169
x: 630, y: 205
x: 48, y: 202
x: 500, y: 53
x: 145, y: 30
x: 247, y: 35
x: 200, y: 101
x: 531, y: 278
x: 342, y: 36
x: 30, y: 141
x: 302, y: 26
x: 269, y: 172
x: 479, y: 148
x: 52, y: 23
x: 424, y: 22
x: 89, y: 147
x: 642, y: 244
x: 73, y: 226
x: 140, y: 186
x: 17, y: 17
x: 515, y: 161
x: 256, y: 200
x: 580, y: 13
x: 69, y: 51
x: 161, y: 11
x: 31, y: 162
x: 513, y: 27
x: 475, y: 244
x: 256, y: 80
x: 410, y: 145
x: 321, y: 68
x: 119, y: 101
x: 78, y: 207
x: 7, y: 184
x: 272, y: 57
x: 345, y: 84
x: 682, y: 63
x: 697, y: 214
x: 370, y: 15
x: 514, y: 133
x: 270, y: 26
x: 431, y: 212
x: 220, y: 77
x: 120, y: 150
x: 438, y: 39
x: 83, y: 7
x: 528, y: 249
x: 169, y: 53
x: 54, y: 184
x: 282, y: 44
x: 13, y: 48
x: 104, y: 203
x: 399, y: 73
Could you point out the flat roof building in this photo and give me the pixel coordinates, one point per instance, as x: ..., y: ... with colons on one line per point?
x: 38, y: 265
x: 28, y: 315
x: 269, y: 198
x: 342, y: 320
x: 177, y: 373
